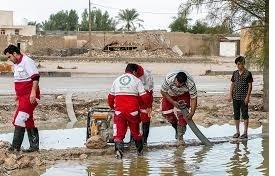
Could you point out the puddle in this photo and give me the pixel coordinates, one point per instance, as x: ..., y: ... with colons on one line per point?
x: 244, y: 158
x: 249, y: 158
x: 75, y: 137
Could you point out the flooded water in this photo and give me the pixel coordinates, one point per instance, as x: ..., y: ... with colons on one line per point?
x: 76, y: 137
x: 242, y: 158
x: 247, y: 158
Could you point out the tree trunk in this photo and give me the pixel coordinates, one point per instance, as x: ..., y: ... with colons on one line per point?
x: 266, y: 59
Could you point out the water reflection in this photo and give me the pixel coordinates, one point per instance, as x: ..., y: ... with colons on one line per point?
x: 180, y: 163
x: 264, y: 169
x: 244, y: 158
x: 239, y: 161
x: 202, y: 154
x: 241, y: 158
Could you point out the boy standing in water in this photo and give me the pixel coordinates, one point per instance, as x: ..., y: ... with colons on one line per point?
x: 240, y: 91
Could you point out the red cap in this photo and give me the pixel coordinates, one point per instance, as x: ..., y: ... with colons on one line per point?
x: 140, y: 71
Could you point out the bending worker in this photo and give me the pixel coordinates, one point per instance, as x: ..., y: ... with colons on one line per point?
x: 178, y: 86
x: 124, y: 98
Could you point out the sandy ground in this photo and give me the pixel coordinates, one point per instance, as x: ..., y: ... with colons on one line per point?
x: 155, y: 68
x: 51, y: 112
x: 160, y: 68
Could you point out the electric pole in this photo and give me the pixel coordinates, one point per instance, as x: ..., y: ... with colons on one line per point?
x: 90, y: 29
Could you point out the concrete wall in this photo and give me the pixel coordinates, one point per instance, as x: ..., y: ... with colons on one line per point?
x: 36, y: 44
x: 3, y: 43
x: 6, y: 17
x: 228, y: 48
x: 190, y: 44
x: 99, y: 40
x: 70, y: 41
x: 6, y: 24
x: 194, y: 44
x: 28, y: 30
x: 23, y: 30
x: 8, y: 31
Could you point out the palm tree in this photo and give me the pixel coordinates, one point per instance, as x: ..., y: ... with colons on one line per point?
x: 129, y: 17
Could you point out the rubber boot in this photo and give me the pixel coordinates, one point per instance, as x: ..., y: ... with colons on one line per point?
x: 139, y: 146
x: 181, y: 131
x: 145, y: 129
x: 131, y: 142
x: 111, y: 140
x: 18, y: 137
x: 119, y: 148
x: 33, y: 139
x: 175, y: 126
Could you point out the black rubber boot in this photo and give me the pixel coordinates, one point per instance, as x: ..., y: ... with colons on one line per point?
x: 175, y: 126
x: 33, y: 139
x: 181, y: 131
x: 139, y: 146
x: 18, y: 137
x: 145, y: 129
x: 119, y: 149
x: 111, y: 140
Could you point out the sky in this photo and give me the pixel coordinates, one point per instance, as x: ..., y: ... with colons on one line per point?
x: 38, y: 10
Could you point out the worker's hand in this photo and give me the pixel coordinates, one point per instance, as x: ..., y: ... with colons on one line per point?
x: 229, y: 98
x: 149, y: 111
x: 176, y: 104
x: 190, y: 116
x: 246, y: 100
x: 33, y: 97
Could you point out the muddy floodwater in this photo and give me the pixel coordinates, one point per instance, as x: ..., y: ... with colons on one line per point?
x: 225, y: 158
x: 222, y: 159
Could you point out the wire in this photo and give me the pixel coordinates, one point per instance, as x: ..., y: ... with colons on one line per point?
x: 158, y: 13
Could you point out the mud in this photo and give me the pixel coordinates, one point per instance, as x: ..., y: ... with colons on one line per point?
x: 212, y: 109
x: 52, y: 114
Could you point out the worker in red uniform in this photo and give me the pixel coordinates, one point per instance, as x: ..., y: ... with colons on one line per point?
x: 124, y: 97
x: 178, y: 86
x: 145, y: 111
x: 26, y: 79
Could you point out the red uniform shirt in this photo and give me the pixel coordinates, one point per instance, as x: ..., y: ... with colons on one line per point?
x: 125, y: 92
x: 24, y: 70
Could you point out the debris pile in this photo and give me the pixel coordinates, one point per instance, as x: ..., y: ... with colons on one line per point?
x: 60, y: 52
x: 143, y: 45
x: 153, y: 41
x: 5, y: 67
x: 158, y: 53
x: 12, y: 161
x: 119, y: 46
x: 96, y: 142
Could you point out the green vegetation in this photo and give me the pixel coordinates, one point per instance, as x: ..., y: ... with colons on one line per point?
x: 180, y: 24
x: 62, y: 20
x: 129, y: 18
x: 242, y: 13
x: 100, y: 21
